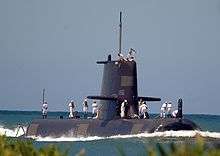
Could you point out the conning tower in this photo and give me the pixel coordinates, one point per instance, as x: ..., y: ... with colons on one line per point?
x: 119, y: 83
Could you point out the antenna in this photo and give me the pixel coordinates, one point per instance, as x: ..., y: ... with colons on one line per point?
x: 43, y: 95
x: 120, y: 34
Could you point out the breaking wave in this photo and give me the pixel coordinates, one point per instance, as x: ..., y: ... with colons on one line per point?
x: 175, y: 134
x: 15, y: 132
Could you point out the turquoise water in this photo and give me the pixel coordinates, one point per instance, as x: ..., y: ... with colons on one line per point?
x: 132, y: 145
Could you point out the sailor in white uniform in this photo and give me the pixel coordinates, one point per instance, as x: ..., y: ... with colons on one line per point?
x: 130, y: 56
x: 95, y: 109
x: 44, y: 110
x: 143, y: 110
x: 71, y: 109
x: 140, y: 102
x: 121, y: 56
x: 169, y: 107
x: 123, y: 106
x: 85, y: 107
x: 163, y: 110
x: 174, y: 113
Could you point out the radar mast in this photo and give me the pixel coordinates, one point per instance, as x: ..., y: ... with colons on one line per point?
x: 120, y: 34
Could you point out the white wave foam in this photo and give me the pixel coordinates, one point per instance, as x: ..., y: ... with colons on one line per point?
x: 19, y: 132
x: 68, y: 139
x: 12, y: 132
x: 141, y: 135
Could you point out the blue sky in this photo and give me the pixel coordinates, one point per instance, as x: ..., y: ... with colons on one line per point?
x: 54, y: 44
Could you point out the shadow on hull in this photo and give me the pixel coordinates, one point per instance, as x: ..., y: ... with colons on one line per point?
x: 91, y: 127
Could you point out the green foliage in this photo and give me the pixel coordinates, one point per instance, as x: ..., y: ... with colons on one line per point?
x: 197, y: 148
x: 26, y: 148
x: 192, y: 149
x: 11, y: 147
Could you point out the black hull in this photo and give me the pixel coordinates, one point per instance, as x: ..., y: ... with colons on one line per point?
x: 93, y: 127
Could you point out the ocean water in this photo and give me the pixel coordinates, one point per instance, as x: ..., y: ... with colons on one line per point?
x: 131, y: 144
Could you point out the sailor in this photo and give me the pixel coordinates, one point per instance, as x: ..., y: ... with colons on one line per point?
x: 163, y: 110
x: 121, y: 57
x: 85, y: 107
x: 123, y: 107
x: 143, y: 110
x: 95, y: 109
x: 44, y: 110
x: 140, y: 102
x: 71, y: 109
x: 174, y: 113
x: 130, y: 56
x: 169, y: 106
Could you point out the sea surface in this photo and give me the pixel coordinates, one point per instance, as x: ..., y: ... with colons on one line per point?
x: 131, y: 144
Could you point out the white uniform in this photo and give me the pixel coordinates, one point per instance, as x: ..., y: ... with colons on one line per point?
x: 44, y: 109
x: 122, y: 110
x: 71, y: 109
x: 95, y: 109
x: 85, y: 106
x: 174, y: 113
x: 130, y: 57
x: 143, y: 109
x: 140, y: 102
x: 169, y: 106
x: 121, y: 57
x: 85, y: 109
x: 163, y: 110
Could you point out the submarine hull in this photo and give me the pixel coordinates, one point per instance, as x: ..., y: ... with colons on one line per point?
x: 95, y: 127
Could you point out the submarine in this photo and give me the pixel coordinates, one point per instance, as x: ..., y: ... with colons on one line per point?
x: 119, y: 83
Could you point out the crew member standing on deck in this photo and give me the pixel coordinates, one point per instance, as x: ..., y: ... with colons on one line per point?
x: 94, y: 109
x: 121, y: 56
x: 174, y: 113
x: 85, y: 107
x: 123, y: 107
x: 169, y: 107
x: 163, y: 110
x: 143, y: 110
x: 130, y: 56
x: 44, y: 110
x: 140, y: 102
x: 71, y: 109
